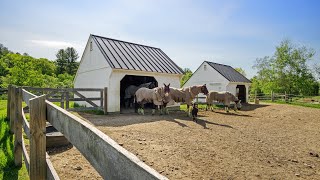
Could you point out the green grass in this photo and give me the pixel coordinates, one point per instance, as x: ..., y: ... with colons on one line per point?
x: 7, y: 167
x: 295, y: 103
x: 200, y: 106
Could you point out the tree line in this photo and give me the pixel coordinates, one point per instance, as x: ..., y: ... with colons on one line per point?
x: 25, y: 70
x: 287, y: 70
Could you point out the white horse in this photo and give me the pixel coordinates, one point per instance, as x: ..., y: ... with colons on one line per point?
x: 158, y: 96
x: 131, y: 90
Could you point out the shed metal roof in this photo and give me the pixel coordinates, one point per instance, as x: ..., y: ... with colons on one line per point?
x: 126, y: 55
x: 228, y: 72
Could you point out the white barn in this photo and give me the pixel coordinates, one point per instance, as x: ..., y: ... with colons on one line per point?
x: 219, y: 77
x: 117, y: 64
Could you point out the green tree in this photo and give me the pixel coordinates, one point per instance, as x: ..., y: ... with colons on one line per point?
x: 61, y: 62
x: 66, y: 61
x: 72, y: 64
x: 186, y: 76
x: 286, y: 70
x: 317, y: 70
x: 3, y: 50
x: 241, y: 71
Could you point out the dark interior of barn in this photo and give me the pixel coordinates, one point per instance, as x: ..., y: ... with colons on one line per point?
x: 127, y: 105
x: 241, y: 92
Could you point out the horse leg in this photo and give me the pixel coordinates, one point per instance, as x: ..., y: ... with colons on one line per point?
x: 142, y: 109
x: 227, y: 108
x: 153, y: 109
x: 139, y: 108
x: 161, y: 109
x: 135, y: 105
x: 167, y: 110
x: 188, y: 110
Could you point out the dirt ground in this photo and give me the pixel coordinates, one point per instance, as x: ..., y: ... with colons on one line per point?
x: 267, y: 141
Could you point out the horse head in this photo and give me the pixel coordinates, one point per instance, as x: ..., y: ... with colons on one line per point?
x: 166, y: 89
x: 238, y: 104
x: 204, y: 89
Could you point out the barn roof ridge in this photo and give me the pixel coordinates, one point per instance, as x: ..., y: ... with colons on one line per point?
x: 113, y: 39
x: 217, y: 63
x: 228, y: 72
x: 132, y: 56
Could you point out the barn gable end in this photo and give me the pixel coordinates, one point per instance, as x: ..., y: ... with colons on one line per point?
x: 219, y: 77
x: 92, y: 65
x: 205, y: 74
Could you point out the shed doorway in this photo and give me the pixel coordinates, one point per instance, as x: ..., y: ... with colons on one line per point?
x: 132, y: 82
x: 241, y: 93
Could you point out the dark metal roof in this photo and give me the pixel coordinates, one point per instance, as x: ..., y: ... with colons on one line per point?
x: 229, y: 73
x: 126, y: 55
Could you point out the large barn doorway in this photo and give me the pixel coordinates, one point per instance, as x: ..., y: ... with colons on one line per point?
x: 128, y: 81
x: 241, y: 92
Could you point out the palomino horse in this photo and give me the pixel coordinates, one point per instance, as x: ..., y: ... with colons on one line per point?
x: 187, y: 94
x: 225, y: 97
x: 158, y: 96
x: 131, y: 90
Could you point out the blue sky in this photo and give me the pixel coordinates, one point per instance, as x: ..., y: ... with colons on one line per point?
x: 228, y: 32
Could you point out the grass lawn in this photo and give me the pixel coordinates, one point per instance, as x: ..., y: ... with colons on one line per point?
x: 305, y: 102
x: 7, y: 167
x: 295, y: 103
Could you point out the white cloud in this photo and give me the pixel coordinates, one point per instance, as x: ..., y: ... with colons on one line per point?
x: 51, y: 44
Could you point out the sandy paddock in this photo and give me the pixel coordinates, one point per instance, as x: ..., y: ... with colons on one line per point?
x: 267, y: 141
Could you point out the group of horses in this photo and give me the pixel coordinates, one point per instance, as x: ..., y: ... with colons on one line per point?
x: 161, y: 96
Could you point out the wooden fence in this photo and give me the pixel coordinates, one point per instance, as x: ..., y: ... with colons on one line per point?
x: 109, y: 159
x: 274, y: 96
x: 3, y: 91
x: 66, y: 95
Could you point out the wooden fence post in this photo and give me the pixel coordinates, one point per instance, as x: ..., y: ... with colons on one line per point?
x: 62, y: 100
x: 8, y: 101
x: 285, y: 96
x: 105, y: 108
x: 12, y: 108
x: 255, y: 94
x: 256, y: 101
x: 272, y: 96
x: 67, y: 99
x: 18, y: 128
x: 38, y: 138
x: 101, y: 100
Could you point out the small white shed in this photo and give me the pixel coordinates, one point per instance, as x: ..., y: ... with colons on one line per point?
x: 220, y: 77
x: 117, y: 64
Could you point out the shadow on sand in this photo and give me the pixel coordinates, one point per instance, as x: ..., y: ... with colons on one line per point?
x: 251, y: 107
x: 230, y: 113
x: 204, y: 123
x: 118, y: 120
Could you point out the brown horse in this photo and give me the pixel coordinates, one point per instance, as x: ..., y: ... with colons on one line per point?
x: 187, y: 94
x: 225, y: 97
x: 158, y: 96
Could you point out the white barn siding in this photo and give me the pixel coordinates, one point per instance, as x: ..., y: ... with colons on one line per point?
x: 214, y: 80
x: 93, y: 72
